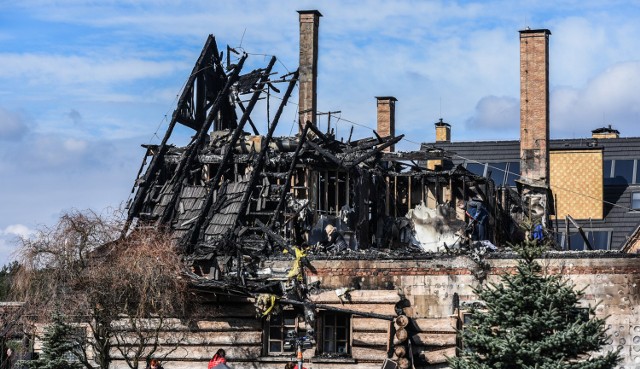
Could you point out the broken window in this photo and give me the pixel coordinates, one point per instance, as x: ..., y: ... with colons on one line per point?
x: 335, y: 333
x: 283, y: 331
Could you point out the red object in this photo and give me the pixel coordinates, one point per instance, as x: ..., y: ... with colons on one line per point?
x: 217, y: 359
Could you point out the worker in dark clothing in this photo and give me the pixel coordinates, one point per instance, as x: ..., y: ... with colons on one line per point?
x: 478, y: 217
x: 337, y: 243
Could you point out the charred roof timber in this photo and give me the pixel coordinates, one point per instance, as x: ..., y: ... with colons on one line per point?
x: 232, y: 198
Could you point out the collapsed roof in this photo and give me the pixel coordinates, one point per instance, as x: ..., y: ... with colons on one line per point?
x: 229, y: 193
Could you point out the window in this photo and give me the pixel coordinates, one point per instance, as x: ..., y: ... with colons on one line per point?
x: 502, y: 173
x: 624, y: 169
x: 466, y: 318
x: 476, y: 168
x: 513, y: 174
x: 599, y: 240
x: 576, y: 242
x: 335, y: 333
x: 283, y: 330
x: 498, y: 171
x: 635, y: 200
x: 606, y: 168
x: 620, y: 172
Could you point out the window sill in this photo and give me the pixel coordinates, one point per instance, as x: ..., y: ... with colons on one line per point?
x: 275, y: 358
x: 322, y: 359
x: 316, y: 359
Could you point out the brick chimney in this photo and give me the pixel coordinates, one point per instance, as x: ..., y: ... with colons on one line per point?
x: 534, y: 105
x: 309, y: 23
x: 443, y: 131
x: 605, y: 132
x: 387, y: 118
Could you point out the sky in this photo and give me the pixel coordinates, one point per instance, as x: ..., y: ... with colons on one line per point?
x: 83, y: 83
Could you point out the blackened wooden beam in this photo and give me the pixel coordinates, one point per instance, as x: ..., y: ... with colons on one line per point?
x: 376, y: 150
x: 243, y: 109
x: 292, y: 167
x: 321, y: 135
x: 207, y: 212
x: 153, y: 168
x: 259, y: 161
x: 581, y: 231
x: 337, y: 309
x: 197, y: 142
x: 274, y: 236
x: 324, y: 152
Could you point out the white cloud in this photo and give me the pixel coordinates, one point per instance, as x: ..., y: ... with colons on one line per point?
x: 609, y: 98
x: 19, y: 230
x: 496, y: 113
x: 9, y: 241
x: 52, y: 69
x: 74, y: 145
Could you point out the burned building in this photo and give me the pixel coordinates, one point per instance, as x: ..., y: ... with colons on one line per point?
x: 235, y: 199
x: 230, y: 190
x: 342, y: 247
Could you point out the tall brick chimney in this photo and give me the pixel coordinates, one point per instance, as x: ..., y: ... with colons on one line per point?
x: 387, y: 118
x: 307, y: 106
x: 534, y: 105
x: 443, y: 131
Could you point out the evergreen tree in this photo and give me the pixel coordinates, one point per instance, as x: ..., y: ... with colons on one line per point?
x: 7, y: 272
x: 57, y: 346
x: 533, y: 320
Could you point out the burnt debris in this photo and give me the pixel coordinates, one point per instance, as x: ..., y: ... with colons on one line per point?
x: 232, y: 198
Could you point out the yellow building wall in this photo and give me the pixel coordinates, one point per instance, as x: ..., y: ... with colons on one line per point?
x: 576, y: 181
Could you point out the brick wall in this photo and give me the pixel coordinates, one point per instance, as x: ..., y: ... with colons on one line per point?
x: 431, y: 285
x: 443, y: 133
x: 576, y: 181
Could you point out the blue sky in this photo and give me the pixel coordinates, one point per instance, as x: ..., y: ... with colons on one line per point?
x: 84, y: 83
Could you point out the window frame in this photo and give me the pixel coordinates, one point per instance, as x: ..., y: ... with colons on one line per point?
x: 609, y: 177
x: 492, y: 166
x: 561, y: 238
x: 631, y: 206
x: 284, y: 314
x: 345, y: 339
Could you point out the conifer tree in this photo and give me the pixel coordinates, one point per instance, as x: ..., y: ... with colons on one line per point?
x: 57, y: 346
x: 533, y: 320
